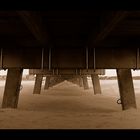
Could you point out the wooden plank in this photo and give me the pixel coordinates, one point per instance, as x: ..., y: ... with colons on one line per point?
x: 67, y: 71
x: 22, y: 57
x: 104, y: 58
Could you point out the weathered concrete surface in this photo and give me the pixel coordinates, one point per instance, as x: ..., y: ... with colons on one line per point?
x: 96, y: 84
x: 47, y: 82
x: 126, y: 88
x: 38, y: 84
x: 12, y: 88
x: 80, y: 82
x: 85, y: 82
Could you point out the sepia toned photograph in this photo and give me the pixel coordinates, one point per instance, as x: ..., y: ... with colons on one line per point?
x: 70, y: 69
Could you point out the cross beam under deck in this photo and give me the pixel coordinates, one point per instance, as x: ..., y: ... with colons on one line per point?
x: 70, y: 58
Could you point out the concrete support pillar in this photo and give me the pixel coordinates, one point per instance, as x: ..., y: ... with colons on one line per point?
x: 38, y: 84
x: 96, y: 83
x: 126, y: 88
x: 76, y: 81
x: 47, y: 82
x: 12, y: 88
x: 53, y: 81
x: 80, y: 82
x: 85, y: 82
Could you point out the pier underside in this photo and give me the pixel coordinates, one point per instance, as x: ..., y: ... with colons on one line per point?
x: 69, y: 45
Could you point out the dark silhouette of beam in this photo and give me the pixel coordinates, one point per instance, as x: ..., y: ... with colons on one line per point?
x: 34, y: 23
x: 108, y: 25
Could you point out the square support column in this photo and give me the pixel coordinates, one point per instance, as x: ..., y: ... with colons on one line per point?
x: 126, y: 88
x: 38, y: 84
x: 80, y: 82
x: 96, y: 83
x: 85, y: 82
x: 53, y: 80
x: 47, y: 82
x: 12, y: 88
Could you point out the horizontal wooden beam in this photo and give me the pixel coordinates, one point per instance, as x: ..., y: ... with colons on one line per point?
x: 70, y: 58
x: 67, y: 71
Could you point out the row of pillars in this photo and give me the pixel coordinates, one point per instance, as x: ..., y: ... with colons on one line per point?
x: 83, y: 82
x: 14, y: 77
x: 50, y: 82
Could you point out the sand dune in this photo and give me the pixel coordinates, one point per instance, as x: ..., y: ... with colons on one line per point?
x: 67, y: 106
